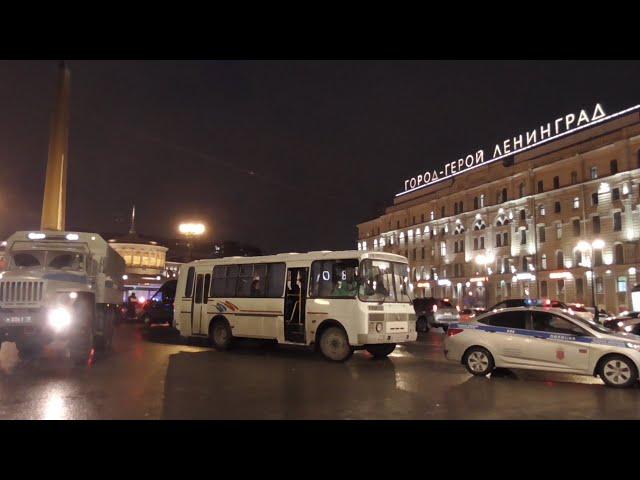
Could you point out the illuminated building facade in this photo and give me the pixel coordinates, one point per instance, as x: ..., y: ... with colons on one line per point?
x: 526, y: 218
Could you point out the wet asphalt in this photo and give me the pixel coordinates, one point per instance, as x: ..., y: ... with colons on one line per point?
x: 154, y: 375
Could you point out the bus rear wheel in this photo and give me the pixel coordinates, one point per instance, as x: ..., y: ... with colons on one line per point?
x: 381, y: 350
x: 334, y: 345
x: 220, y: 335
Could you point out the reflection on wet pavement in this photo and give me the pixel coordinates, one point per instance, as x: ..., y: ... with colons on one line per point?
x: 155, y: 375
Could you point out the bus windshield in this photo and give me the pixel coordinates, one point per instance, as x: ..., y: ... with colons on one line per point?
x: 383, y: 281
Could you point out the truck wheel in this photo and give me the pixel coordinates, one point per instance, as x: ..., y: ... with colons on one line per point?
x: 81, y: 344
x: 220, y: 335
x: 103, y: 342
x: 334, y: 345
x: 382, y: 350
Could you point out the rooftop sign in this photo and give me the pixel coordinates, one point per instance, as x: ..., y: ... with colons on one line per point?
x: 560, y: 127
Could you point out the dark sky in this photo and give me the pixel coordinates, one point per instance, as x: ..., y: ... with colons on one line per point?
x: 286, y: 155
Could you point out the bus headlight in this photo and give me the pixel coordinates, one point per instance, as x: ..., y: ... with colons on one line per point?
x: 59, y: 318
x: 379, y: 327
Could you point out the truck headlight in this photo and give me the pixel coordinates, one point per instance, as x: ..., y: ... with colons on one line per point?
x: 59, y: 318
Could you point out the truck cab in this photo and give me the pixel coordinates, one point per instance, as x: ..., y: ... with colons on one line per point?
x: 59, y: 286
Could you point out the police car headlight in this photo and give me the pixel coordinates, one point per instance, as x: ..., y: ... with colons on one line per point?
x: 59, y: 318
x: 378, y: 327
x: 635, y: 346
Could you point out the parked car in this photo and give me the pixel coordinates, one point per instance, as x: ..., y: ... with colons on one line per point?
x: 434, y: 312
x: 547, y: 339
x: 467, y: 314
x: 623, y: 324
x: 159, y: 308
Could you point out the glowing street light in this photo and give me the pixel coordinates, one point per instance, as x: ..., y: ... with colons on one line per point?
x: 191, y: 230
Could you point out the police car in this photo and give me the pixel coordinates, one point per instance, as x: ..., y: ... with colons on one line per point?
x: 548, y: 339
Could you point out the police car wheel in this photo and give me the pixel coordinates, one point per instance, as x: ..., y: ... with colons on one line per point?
x: 478, y: 361
x: 618, y: 371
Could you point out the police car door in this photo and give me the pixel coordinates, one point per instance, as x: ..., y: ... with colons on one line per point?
x: 506, y: 336
x: 558, y: 343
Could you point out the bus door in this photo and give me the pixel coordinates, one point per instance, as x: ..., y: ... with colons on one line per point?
x: 295, y: 305
x: 199, y: 308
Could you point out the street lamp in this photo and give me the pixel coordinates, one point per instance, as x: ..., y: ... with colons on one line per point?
x: 190, y: 230
x: 584, y: 247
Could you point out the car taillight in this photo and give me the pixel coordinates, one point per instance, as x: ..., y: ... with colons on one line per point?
x: 454, y: 331
x: 435, y: 308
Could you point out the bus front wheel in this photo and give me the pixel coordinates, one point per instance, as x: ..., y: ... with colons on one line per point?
x: 334, y: 345
x: 220, y: 335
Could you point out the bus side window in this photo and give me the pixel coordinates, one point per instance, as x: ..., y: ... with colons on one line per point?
x: 275, y: 279
x: 188, y: 289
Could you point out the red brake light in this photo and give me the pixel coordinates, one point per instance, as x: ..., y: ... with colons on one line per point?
x: 454, y: 331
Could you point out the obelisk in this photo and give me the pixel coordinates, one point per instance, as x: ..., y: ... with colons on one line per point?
x: 54, y: 203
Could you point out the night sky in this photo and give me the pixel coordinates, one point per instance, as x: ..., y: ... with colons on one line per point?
x: 285, y: 155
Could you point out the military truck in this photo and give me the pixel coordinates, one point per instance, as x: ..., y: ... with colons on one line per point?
x: 64, y: 286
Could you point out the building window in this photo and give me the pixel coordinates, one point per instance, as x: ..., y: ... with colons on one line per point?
x: 442, y: 210
x: 522, y: 214
x: 542, y: 211
x: 443, y: 249
x: 594, y: 173
x: 619, y: 254
x: 597, y: 257
x: 577, y: 257
x: 543, y: 262
x: 599, y: 285
x: 461, y: 207
x: 504, y: 195
x: 556, y: 207
x: 576, y: 203
x: 543, y: 289
x: 576, y: 227
x: 614, y: 166
x: 475, y: 244
x: 617, y: 221
x: 413, y: 221
x: 622, y: 284
x: 541, y: 234
x: 540, y: 186
x: 615, y: 194
x: 559, y: 259
x: 521, y: 186
x: 560, y: 287
x: 523, y: 237
x: 595, y: 224
x: 422, y: 218
x: 505, y: 239
x: 482, y: 200
x: 432, y: 215
x: 475, y: 203
x: 558, y: 231
x: 594, y: 198
x: 574, y: 178
x: 481, y: 243
x: 498, y: 240
x: 556, y: 182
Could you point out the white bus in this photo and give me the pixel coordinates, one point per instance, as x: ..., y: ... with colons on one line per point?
x: 337, y: 302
